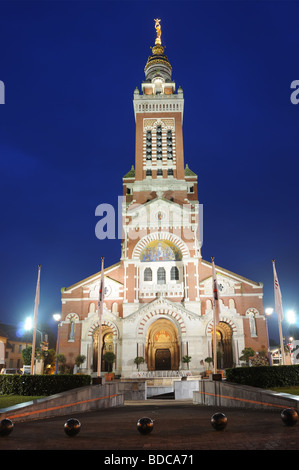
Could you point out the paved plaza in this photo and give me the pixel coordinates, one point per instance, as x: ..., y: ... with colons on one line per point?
x: 178, y: 426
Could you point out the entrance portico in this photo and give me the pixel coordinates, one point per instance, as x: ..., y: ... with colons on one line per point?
x: 162, y: 346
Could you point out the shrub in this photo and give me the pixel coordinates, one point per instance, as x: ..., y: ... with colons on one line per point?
x: 30, y: 385
x: 264, y: 376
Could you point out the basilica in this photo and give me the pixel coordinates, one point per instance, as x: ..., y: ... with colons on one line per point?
x: 158, y: 297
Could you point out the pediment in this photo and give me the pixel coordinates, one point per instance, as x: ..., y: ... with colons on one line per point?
x: 226, y: 285
x: 159, y: 212
x: 112, y: 289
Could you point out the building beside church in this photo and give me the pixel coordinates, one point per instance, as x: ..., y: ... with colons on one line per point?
x: 158, y: 297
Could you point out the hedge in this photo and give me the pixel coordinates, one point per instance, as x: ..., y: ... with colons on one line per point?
x: 264, y: 376
x: 41, y: 385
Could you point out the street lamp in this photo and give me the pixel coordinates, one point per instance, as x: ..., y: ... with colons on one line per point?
x: 57, y: 317
x: 291, y: 317
x: 28, y: 325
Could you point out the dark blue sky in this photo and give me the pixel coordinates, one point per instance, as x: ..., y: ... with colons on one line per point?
x: 67, y: 135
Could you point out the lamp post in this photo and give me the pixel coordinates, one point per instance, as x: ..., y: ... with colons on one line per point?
x: 268, y: 312
x: 57, y: 317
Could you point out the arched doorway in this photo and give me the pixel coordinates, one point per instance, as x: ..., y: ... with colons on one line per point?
x: 224, y: 345
x: 107, y: 345
x: 162, y: 346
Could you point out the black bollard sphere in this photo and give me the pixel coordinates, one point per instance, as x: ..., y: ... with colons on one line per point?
x: 145, y: 425
x: 6, y: 427
x: 289, y: 417
x: 72, y: 427
x: 219, y: 421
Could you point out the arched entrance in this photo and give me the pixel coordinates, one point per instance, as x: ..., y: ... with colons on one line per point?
x: 107, y: 345
x: 162, y: 346
x: 224, y: 345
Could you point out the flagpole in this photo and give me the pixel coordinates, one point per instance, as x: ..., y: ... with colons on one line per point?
x: 214, y: 319
x: 100, y: 305
x: 281, y: 342
x: 278, y: 309
x: 35, y: 319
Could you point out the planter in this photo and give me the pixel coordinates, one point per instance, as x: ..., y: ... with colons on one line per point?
x: 217, y: 377
x: 109, y: 376
x: 97, y: 380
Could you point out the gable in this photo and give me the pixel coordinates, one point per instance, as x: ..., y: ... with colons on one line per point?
x: 159, y: 212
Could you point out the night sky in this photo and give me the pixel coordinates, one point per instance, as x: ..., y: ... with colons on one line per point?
x: 67, y: 135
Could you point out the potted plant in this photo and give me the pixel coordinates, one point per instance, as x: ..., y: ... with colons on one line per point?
x: 209, y: 360
x: 79, y: 360
x: 138, y: 360
x: 247, y: 353
x: 186, y: 360
x: 110, y: 358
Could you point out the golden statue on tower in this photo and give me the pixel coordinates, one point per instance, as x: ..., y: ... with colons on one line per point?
x: 158, y: 29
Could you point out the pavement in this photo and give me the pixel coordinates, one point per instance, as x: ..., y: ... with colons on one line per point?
x: 180, y: 428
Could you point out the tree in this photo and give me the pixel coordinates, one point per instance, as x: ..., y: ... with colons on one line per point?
x: 138, y: 360
x: 79, y: 360
x: 110, y: 358
x: 209, y: 360
x: 247, y: 353
x: 260, y: 359
x: 26, y: 355
x: 61, y: 359
x: 186, y: 360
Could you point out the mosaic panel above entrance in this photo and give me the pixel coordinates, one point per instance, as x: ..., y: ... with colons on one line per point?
x: 161, y: 250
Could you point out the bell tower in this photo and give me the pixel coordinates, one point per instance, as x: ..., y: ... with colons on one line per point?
x: 160, y: 200
x: 158, y: 109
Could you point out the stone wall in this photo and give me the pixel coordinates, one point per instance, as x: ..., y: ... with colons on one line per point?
x: 79, y: 400
x: 220, y: 393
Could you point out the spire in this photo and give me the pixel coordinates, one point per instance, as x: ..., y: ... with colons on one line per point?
x: 158, y: 63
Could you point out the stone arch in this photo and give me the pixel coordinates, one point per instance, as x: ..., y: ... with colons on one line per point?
x: 162, y: 350
x: 224, y: 320
x: 108, y: 323
x: 72, y: 317
x: 151, y: 315
x: 224, y: 339
x: 110, y: 330
x: 160, y: 236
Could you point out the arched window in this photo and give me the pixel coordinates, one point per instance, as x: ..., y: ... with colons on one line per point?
x: 161, y: 276
x: 159, y: 143
x: 147, y: 274
x: 174, y: 274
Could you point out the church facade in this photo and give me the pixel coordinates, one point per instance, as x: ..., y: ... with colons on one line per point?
x: 158, y: 297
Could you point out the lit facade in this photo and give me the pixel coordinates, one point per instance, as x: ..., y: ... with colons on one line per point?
x: 158, y: 297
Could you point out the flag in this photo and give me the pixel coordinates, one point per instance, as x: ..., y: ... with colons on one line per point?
x: 101, y: 290
x: 216, y: 306
x: 277, y: 294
